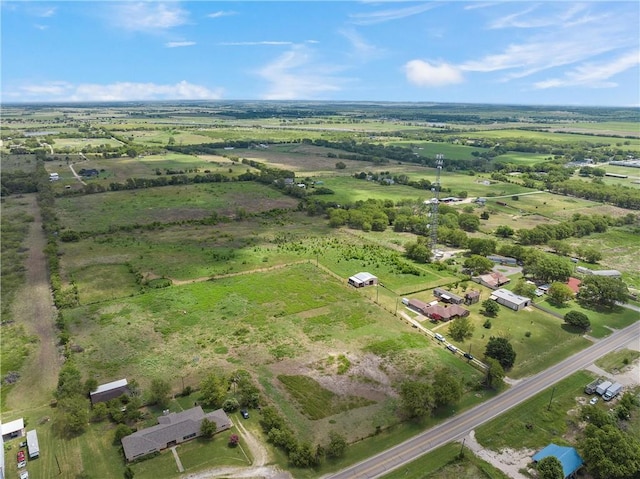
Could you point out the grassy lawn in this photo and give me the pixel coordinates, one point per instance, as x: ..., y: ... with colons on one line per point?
x: 603, y: 321
x: 618, y: 361
x: 445, y: 463
x: 556, y: 207
x: 546, y: 424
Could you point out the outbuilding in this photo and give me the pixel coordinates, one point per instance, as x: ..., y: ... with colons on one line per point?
x: 447, y: 296
x: 510, y: 300
x: 363, y: 279
x: 568, y: 457
x: 32, y: 444
x: 492, y: 280
x: 107, y: 392
x: 13, y: 429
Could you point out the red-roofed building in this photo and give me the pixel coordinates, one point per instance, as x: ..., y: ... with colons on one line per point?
x: 574, y: 284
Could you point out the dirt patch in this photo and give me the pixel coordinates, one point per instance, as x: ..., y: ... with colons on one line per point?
x: 509, y: 461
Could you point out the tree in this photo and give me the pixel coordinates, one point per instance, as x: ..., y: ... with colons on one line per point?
x: 560, y: 247
x: 504, y: 231
x: 213, y: 390
x: 547, y: 267
x: 495, y: 373
x: 90, y: 385
x: 591, y: 255
x: 447, y: 387
x: 550, y: 468
x: 577, y: 319
x: 490, y: 307
x: 602, y: 291
x: 128, y: 473
x: 525, y: 289
x: 340, y: 165
x: 234, y: 440
x: 501, y: 350
x: 208, y: 428
x: 99, y: 412
x: 469, y: 222
x: 610, y: 452
x: 482, y: 247
x: 461, y: 328
x: 73, y: 415
x: 337, y: 445
x: 416, y: 398
x: 477, y: 264
x: 418, y: 252
x: 122, y: 430
x: 559, y: 293
x: 159, y: 392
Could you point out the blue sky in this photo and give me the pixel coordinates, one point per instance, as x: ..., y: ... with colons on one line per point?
x: 516, y: 52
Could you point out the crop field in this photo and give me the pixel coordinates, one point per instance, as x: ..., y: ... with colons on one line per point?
x: 633, y: 144
x: 166, y: 204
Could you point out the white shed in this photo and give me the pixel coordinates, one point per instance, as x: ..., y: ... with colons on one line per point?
x: 32, y: 444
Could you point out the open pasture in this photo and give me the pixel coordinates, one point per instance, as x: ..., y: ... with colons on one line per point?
x: 556, y: 207
x: 520, y: 158
x: 291, y: 327
x: 99, y: 212
x: 633, y: 144
x: 162, y: 136
x: 624, y: 128
x: 431, y: 149
x: 64, y: 145
x: 620, y: 170
x: 620, y: 248
x: 631, y: 182
x: 10, y: 163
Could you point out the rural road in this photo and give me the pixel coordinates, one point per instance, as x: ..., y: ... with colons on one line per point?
x: 459, y: 426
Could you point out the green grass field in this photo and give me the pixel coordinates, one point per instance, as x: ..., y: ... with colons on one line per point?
x: 62, y: 145
x: 546, y: 424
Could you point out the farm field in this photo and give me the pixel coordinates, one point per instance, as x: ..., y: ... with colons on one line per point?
x: 180, y: 281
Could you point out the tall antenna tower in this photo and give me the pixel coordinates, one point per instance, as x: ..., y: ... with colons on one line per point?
x: 435, y: 188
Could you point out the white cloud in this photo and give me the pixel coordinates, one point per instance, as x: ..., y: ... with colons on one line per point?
x: 244, y: 44
x: 362, y: 50
x: 148, y: 16
x: 40, y: 27
x: 119, y: 91
x: 222, y: 13
x: 46, y: 12
x: 381, y: 16
x: 550, y: 17
x: 295, y: 75
x: 422, y: 73
x: 179, y: 44
x: 594, y: 75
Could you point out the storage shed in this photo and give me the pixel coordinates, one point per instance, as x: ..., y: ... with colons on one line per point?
x: 12, y: 429
x: 447, y: 296
x: 107, y: 392
x: 510, y: 300
x: 363, y: 279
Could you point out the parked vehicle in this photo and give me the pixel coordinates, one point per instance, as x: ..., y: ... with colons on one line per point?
x: 24, y: 475
x: 593, y: 401
x: 22, y: 459
x: 245, y: 413
x: 468, y: 356
x: 452, y: 348
x: 602, y: 387
x: 591, y: 387
x: 612, y: 391
x: 439, y: 337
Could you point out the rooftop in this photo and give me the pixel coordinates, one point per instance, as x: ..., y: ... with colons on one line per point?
x: 109, y: 386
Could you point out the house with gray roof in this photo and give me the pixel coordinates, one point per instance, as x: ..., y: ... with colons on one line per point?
x: 172, y: 429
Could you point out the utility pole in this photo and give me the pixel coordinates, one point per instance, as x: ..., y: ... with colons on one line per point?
x: 434, y: 206
x: 552, y: 392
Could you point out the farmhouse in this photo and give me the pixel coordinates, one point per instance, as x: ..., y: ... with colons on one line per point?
x: 32, y: 444
x: 418, y: 305
x: 568, y: 457
x: 492, y: 280
x: 12, y: 429
x: 363, y: 279
x: 441, y: 313
x: 447, y: 296
x: 509, y: 299
x: 107, y: 392
x: 173, y: 428
x: 54, y: 176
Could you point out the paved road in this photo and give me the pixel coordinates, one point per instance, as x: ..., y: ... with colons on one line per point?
x: 459, y: 426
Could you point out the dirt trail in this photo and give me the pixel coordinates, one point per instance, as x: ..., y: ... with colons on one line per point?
x: 33, y: 306
x: 258, y: 451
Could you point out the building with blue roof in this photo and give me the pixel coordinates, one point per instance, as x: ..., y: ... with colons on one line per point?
x: 568, y: 457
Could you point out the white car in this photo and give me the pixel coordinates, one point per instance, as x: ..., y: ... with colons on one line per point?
x: 24, y: 475
x: 593, y: 401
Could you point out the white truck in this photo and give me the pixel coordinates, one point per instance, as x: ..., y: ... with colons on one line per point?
x: 602, y: 387
x: 612, y: 391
